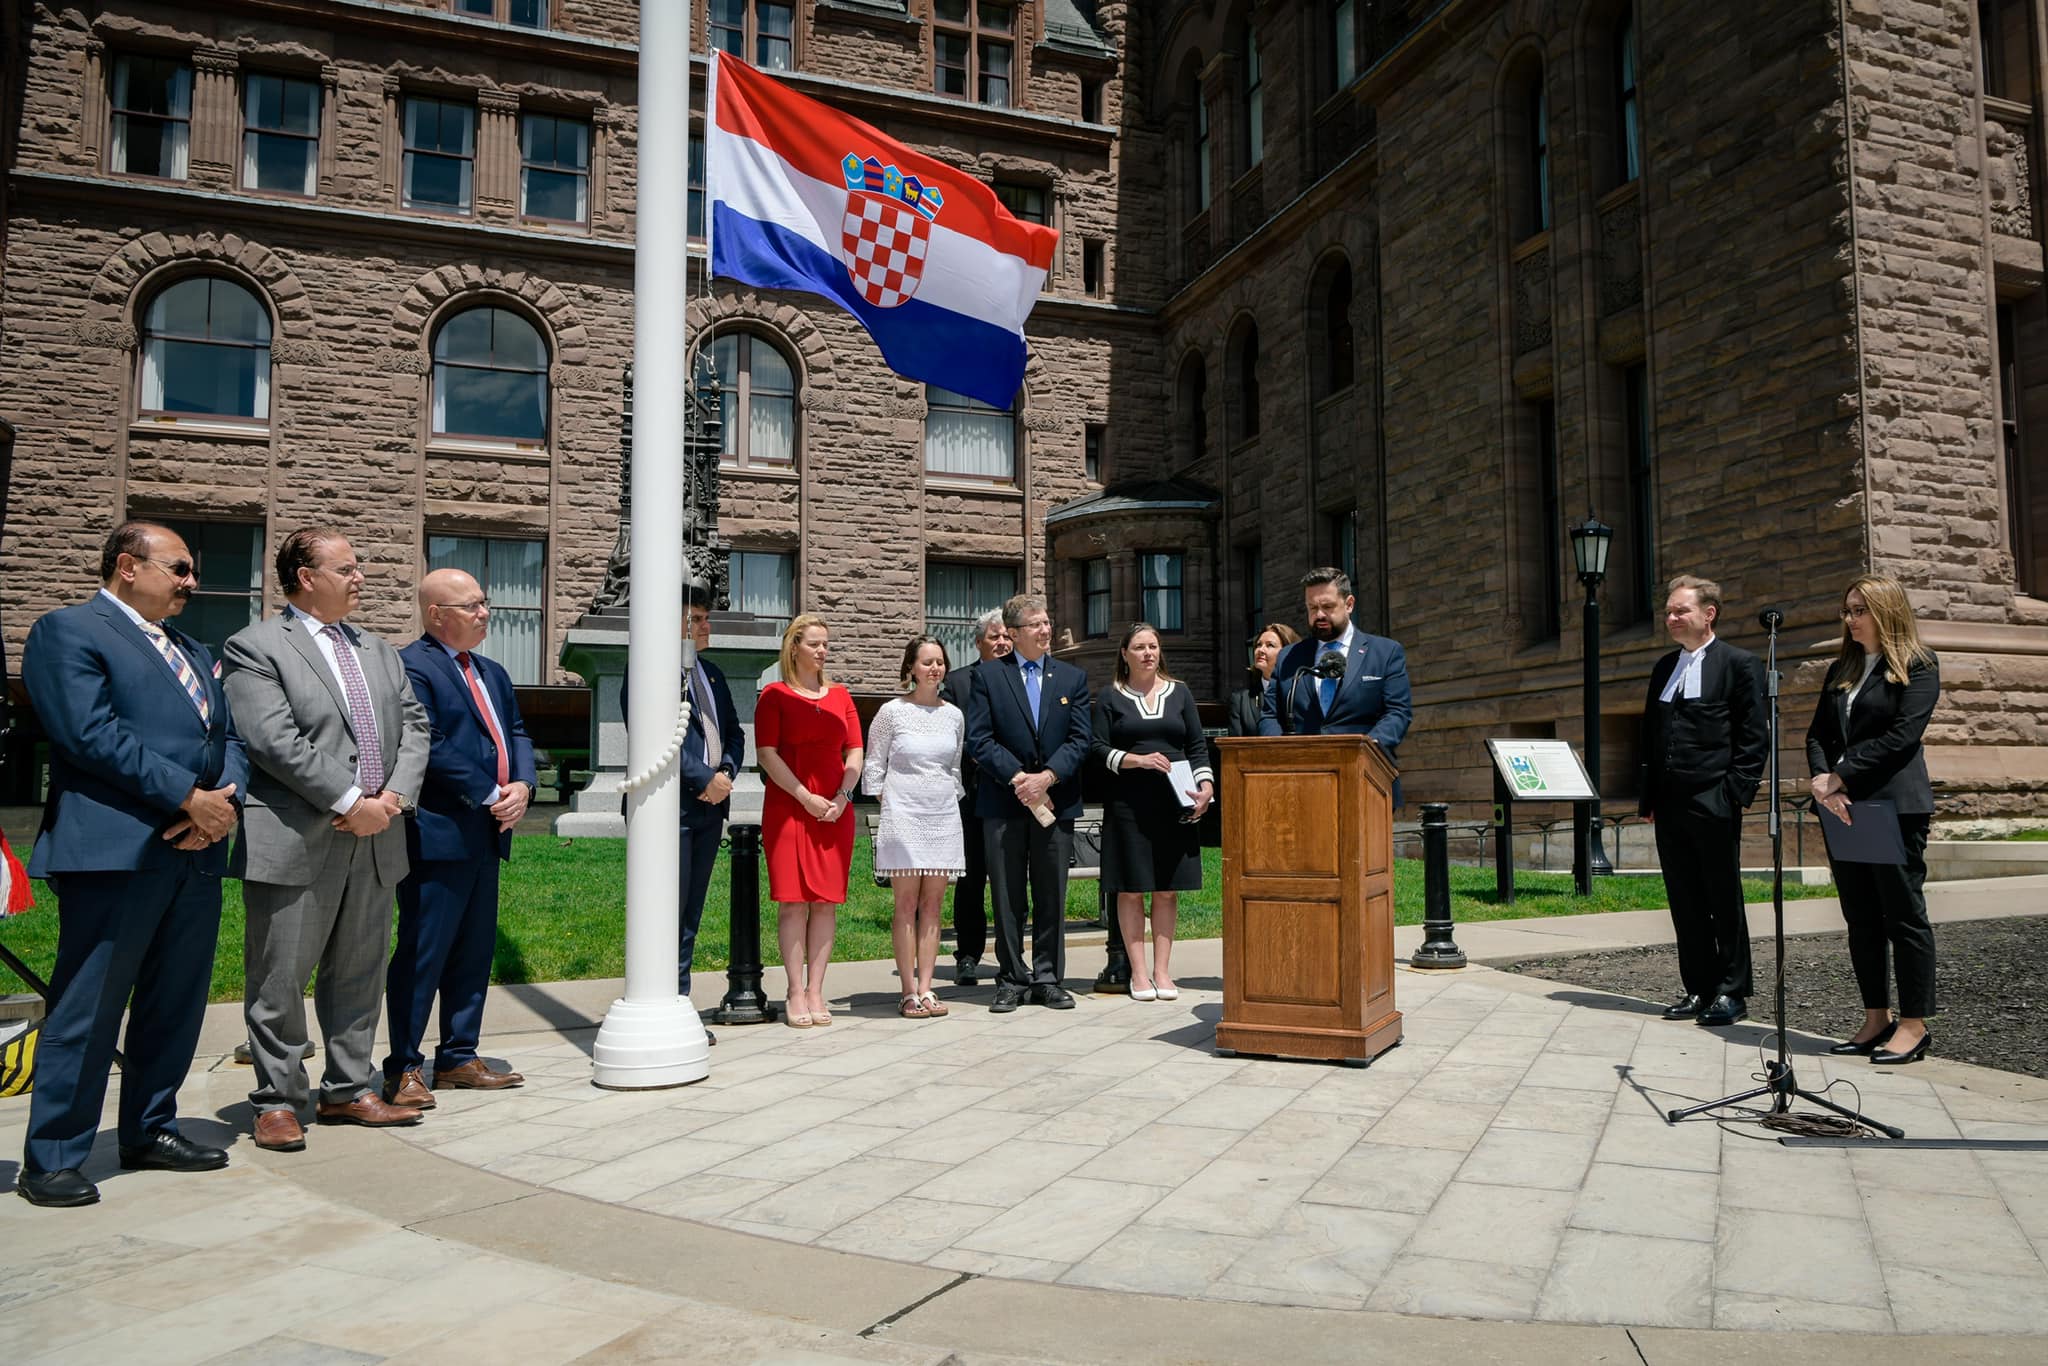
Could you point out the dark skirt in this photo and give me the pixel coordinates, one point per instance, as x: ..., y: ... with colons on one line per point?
x: 1146, y: 847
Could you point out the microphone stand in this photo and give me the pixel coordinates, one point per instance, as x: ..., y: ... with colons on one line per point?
x: 1779, y: 1082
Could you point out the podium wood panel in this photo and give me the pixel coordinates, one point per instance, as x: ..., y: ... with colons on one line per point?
x: 1308, y: 898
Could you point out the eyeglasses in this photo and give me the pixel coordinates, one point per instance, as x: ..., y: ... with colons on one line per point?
x: 177, y: 569
x: 344, y: 571
x: 1855, y: 613
x: 480, y: 605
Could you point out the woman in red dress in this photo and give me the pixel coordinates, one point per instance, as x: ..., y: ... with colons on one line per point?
x: 807, y: 739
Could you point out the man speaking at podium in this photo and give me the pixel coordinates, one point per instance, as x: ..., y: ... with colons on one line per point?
x: 1339, y: 681
x: 1705, y: 740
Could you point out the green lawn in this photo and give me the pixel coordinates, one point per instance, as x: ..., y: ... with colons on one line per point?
x: 562, y: 911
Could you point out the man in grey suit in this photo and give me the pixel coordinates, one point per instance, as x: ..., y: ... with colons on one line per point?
x: 337, y: 751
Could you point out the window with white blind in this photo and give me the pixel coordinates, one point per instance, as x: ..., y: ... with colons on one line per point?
x: 1095, y: 596
x: 757, y: 401
x: 206, y: 351
x: 280, y: 134
x: 763, y: 582
x: 513, y: 575
x: 1160, y: 579
x: 490, y: 377
x: 968, y: 439
x: 955, y: 596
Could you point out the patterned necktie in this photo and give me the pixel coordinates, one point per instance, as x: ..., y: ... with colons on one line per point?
x: 182, y: 667
x: 483, y: 709
x: 1032, y: 685
x: 1326, y: 688
x: 362, y: 720
x: 706, y: 714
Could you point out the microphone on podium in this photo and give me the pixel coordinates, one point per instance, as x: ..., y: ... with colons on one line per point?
x: 1771, y: 618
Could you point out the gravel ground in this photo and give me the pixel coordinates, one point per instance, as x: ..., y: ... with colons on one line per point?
x: 1991, y: 978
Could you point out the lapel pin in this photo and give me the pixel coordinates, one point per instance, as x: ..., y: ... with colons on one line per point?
x: 1063, y: 701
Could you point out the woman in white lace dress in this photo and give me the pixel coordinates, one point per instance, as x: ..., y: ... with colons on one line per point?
x: 913, y: 764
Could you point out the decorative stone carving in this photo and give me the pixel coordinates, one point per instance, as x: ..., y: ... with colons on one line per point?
x: 288, y: 351
x: 706, y: 557
x: 1621, y: 258
x: 105, y: 336
x: 2005, y: 175
x: 1532, y: 301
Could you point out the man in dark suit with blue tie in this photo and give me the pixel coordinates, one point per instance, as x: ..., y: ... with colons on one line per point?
x: 1339, y: 681
x: 1028, y: 725
x: 480, y: 777
x: 146, y: 777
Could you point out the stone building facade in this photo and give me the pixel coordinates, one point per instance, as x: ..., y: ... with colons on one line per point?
x: 1400, y: 285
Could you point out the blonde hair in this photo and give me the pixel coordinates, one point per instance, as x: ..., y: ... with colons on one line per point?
x: 791, y: 634
x: 1898, y: 633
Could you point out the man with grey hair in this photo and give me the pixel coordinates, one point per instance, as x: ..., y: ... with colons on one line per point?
x: 1028, y: 728
x: 970, y: 920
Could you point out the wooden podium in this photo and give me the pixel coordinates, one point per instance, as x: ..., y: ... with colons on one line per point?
x: 1308, y: 898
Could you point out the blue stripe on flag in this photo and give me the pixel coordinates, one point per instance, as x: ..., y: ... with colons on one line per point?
x: 918, y: 340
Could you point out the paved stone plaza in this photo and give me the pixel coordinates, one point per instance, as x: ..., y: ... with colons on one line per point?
x: 976, y: 1184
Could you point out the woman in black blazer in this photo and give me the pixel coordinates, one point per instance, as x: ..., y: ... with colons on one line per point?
x: 1246, y: 703
x: 1864, y: 744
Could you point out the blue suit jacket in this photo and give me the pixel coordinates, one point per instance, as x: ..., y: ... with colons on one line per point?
x: 732, y: 744
x: 126, y: 743
x: 452, y: 817
x: 1372, y: 698
x: 1005, y: 743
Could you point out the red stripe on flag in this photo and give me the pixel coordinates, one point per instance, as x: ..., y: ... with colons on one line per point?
x: 815, y: 138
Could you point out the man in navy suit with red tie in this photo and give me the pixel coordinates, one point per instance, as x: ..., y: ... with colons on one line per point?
x: 1339, y: 681
x: 146, y: 783
x: 480, y: 777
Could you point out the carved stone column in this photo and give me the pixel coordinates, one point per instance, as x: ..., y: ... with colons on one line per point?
x: 497, y: 154
x: 330, y: 99
x: 92, y: 127
x: 392, y: 169
x: 216, y: 122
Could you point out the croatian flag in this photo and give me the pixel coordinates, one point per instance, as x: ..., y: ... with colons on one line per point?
x: 804, y: 197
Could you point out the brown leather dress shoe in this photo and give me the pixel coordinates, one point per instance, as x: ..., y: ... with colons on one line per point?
x: 474, y: 1076
x: 412, y: 1091
x: 279, y: 1131
x: 369, y: 1110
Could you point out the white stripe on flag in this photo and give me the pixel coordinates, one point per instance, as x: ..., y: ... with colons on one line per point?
x: 962, y: 274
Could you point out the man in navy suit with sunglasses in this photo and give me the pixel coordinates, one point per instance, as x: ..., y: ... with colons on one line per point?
x: 146, y: 783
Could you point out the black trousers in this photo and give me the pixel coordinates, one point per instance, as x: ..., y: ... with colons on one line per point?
x: 1887, y: 917
x: 1702, y: 860
x: 1022, y: 854
x: 970, y: 920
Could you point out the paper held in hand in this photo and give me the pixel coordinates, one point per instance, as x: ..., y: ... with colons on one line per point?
x: 1182, y: 776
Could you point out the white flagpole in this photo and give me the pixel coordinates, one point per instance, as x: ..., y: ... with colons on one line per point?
x: 652, y: 1037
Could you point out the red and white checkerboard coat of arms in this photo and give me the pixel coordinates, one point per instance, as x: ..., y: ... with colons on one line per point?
x: 886, y: 232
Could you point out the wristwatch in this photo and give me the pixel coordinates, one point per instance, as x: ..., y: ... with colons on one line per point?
x: 405, y: 803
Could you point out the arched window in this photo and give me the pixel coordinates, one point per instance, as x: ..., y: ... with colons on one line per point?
x: 756, y: 399
x: 206, y: 350
x: 1538, y: 115
x: 1199, y: 171
x: 490, y: 377
x: 1244, y: 382
x: 1329, y: 328
x: 1528, y: 149
x: 1192, y: 404
x: 965, y: 438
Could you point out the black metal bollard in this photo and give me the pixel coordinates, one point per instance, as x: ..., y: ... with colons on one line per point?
x: 1439, y: 949
x: 1115, y: 978
x: 745, y: 1003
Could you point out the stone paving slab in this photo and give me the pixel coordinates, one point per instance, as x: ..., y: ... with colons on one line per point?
x: 891, y: 1190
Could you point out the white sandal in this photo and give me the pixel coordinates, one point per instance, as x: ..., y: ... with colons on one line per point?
x: 933, y: 1006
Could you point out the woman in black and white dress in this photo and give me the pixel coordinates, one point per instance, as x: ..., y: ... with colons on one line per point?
x: 913, y: 765
x: 1150, y: 847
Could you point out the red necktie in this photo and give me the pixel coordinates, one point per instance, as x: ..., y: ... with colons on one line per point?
x: 483, y: 709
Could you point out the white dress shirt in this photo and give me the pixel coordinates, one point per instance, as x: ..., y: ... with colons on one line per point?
x: 1687, y: 674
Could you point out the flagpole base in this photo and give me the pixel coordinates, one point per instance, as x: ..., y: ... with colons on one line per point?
x: 647, y: 1045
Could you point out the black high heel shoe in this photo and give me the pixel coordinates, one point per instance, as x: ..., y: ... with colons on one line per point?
x: 1869, y: 1045
x: 1913, y: 1054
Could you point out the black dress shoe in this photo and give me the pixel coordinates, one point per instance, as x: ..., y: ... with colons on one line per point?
x: 1918, y: 1051
x: 1686, y: 1007
x: 967, y: 972
x: 58, y: 1190
x: 1008, y: 998
x: 1052, y: 995
x: 1869, y: 1045
x: 165, y: 1151
x: 1725, y: 1010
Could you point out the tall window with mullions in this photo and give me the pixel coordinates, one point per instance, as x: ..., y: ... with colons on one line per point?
x: 227, y: 558
x: 1160, y: 583
x: 440, y: 154
x: 206, y: 351
x: 280, y: 134
x: 152, y: 117
x: 513, y: 575
x: 554, y: 168
x: 955, y: 596
x: 490, y: 378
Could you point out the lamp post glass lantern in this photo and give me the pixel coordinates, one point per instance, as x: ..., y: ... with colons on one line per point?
x: 1591, y: 540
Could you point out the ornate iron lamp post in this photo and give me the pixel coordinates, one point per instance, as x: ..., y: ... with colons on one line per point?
x: 1591, y: 540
